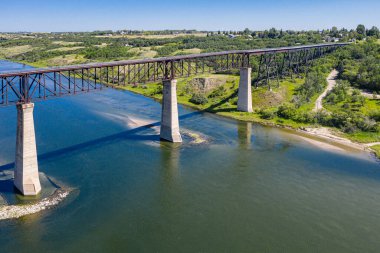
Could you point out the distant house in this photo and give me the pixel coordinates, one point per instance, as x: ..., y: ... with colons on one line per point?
x: 231, y: 36
x: 331, y: 39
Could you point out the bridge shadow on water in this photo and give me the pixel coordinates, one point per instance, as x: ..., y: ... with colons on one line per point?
x: 132, y: 134
x: 7, y: 186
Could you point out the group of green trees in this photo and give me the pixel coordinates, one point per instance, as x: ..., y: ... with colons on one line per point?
x: 359, y: 33
x: 314, y: 84
x: 108, y: 48
x: 360, y: 65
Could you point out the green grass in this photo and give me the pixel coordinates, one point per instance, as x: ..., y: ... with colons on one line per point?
x: 8, y: 52
x: 363, y: 137
x: 70, y: 59
x: 226, y: 105
x: 376, y: 149
x: 369, y: 106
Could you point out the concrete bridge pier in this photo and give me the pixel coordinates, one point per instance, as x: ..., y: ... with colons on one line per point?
x: 169, y: 118
x: 245, y: 91
x: 27, y: 179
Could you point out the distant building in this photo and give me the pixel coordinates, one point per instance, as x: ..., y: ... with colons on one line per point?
x: 331, y: 39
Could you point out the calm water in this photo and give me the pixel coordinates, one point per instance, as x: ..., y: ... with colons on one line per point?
x: 249, y: 189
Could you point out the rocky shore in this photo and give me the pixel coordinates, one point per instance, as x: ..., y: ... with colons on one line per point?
x: 13, y: 205
x: 17, y: 211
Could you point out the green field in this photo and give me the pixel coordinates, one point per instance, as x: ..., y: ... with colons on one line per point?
x: 376, y: 149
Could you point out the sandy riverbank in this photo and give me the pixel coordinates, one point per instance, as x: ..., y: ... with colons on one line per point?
x: 134, y: 122
x: 326, y: 134
x: 13, y: 205
x: 17, y: 211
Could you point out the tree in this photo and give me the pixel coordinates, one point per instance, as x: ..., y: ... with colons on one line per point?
x: 334, y: 31
x: 360, y: 29
x: 246, y: 31
x: 272, y: 33
x: 374, y: 31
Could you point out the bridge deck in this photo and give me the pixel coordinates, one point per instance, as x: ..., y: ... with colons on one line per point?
x: 42, y: 83
x: 167, y: 59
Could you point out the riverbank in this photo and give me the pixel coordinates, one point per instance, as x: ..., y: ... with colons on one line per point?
x: 328, y: 134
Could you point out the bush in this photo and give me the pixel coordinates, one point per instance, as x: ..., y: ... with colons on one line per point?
x: 286, y: 111
x: 323, y: 118
x: 218, y: 92
x: 157, y: 90
x: 339, y: 93
x: 313, y: 84
x: 304, y: 117
x: 199, y: 99
x: 233, y: 101
x: 375, y: 115
x: 267, y: 113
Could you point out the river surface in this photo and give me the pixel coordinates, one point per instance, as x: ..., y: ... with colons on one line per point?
x: 248, y: 189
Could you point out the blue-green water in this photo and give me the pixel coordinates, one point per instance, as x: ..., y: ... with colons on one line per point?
x: 268, y: 191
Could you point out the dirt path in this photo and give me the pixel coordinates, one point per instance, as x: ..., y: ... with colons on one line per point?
x: 372, y: 144
x: 369, y: 95
x: 331, y: 83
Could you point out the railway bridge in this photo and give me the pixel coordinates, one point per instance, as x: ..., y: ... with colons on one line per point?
x: 23, y: 88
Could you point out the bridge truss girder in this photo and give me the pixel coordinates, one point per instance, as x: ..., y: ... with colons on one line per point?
x: 41, y: 84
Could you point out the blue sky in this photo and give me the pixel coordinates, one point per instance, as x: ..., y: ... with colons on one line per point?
x: 89, y: 15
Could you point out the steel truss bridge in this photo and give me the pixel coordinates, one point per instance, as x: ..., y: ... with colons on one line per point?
x: 27, y: 86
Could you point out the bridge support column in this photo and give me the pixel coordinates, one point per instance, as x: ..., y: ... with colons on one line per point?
x: 169, y: 117
x: 245, y: 91
x: 27, y: 180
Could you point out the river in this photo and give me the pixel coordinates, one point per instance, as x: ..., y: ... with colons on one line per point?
x: 249, y: 188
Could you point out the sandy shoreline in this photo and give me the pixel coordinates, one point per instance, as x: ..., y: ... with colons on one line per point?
x: 326, y: 137
x: 326, y: 134
x: 17, y: 211
x: 13, y: 205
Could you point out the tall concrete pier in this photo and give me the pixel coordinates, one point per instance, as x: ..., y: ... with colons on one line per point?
x: 27, y: 180
x: 169, y: 118
x: 245, y: 91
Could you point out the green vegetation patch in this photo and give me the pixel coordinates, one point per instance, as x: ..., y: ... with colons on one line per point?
x: 376, y: 149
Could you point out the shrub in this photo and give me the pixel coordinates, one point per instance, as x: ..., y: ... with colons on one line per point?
x: 233, y: 101
x: 267, y: 113
x: 157, y: 90
x: 304, y: 117
x: 286, y: 111
x: 313, y: 84
x: 218, y: 92
x: 375, y: 115
x: 199, y: 99
x: 339, y: 93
